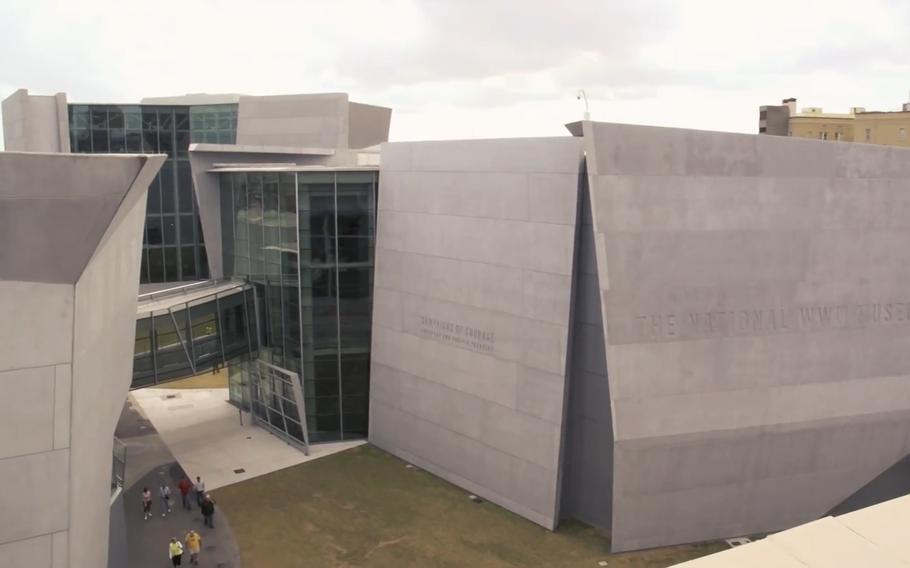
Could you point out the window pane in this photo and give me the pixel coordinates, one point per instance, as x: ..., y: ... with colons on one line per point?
x: 115, y: 118
x: 169, y: 229
x: 156, y: 265
x: 99, y: 118
x: 99, y: 141
x: 154, y: 230
x: 184, y: 186
x: 167, y: 186
x: 170, y: 264
x: 187, y: 222
x: 188, y: 262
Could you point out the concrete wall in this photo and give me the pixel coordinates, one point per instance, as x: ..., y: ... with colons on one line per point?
x: 319, y: 120
x: 757, y: 320
x: 33, y: 123
x: 587, y: 483
x: 776, y: 121
x: 473, y: 284
x: 369, y: 125
x: 67, y: 333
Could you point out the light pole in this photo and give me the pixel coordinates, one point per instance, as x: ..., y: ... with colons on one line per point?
x: 580, y: 95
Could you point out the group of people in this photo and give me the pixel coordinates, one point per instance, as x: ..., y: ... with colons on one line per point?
x: 193, y: 545
x: 206, y: 505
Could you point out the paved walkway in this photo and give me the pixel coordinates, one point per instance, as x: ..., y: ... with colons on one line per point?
x: 149, y: 462
x: 204, y: 433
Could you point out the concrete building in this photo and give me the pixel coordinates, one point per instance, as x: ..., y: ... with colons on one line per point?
x: 858, y: 125
x: 673, y: 335
x: 733, y: 342
x: 173, y: 244
x: 70, y: 237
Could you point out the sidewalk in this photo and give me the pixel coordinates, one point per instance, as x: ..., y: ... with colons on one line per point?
x: 203, y: 432
x: 149, y: 462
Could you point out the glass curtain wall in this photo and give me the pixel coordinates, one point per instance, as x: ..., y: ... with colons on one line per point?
x: 305, y: 241
x: 194, y: 337
x: 173, y: 245
x: 213, y: 124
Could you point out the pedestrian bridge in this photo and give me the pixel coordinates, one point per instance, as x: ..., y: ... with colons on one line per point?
x: 188, y: 329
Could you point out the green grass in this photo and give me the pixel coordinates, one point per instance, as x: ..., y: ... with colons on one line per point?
x: 363, y: 507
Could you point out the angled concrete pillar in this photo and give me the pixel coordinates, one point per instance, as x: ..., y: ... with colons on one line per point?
x: 70, y: 241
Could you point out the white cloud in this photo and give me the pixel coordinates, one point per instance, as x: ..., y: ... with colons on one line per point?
x: 471, y: 68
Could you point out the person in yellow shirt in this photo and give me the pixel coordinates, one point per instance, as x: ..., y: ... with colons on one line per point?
x: 193, y: 545
x: 175, y: 551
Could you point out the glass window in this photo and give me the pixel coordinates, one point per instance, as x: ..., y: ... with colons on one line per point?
x: 182, y: 119
x: 184, y: 186
x: 144, y: 265
x: 81, y: 141
x: 156, y: 265
x: 115, y: 118
x: 165, y: 120
x: 80, y: 117
x: 171, y: 273
x: 134, y: 142
x: 187, y: 222
x: 154, y: 230
x: 166, y: 175
x: 154, y: 197
x: 133, y: 118
x: 99, y: 118
x: 227, y: 223
x: 188, y: 262
x: 100, y: 142
x: 169, y: 229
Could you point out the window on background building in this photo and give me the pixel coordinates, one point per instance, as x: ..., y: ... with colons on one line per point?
x: 868, y: 134
x: 154, y: 129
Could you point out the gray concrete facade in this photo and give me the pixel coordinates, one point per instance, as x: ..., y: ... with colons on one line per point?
x: 471, y: 321
x: 734, y: 343
x: 35, y: 123
x: 323, y: 120
x: 756, y: 328
x: 70, y: 240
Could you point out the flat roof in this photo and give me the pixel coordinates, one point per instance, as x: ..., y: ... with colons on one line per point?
x: 256, y: 149
x: 291, y: 168
x: 874, y: 536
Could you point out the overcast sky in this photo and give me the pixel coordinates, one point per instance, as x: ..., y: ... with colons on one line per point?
x: 474, y: 68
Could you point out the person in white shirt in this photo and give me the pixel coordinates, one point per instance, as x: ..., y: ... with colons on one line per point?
x: 199, y: 486
x: 164, y: 493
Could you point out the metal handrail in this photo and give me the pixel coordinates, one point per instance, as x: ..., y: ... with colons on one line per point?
x: 183, y: 289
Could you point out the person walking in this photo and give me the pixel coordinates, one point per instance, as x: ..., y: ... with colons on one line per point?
x: 175, y: 551
x: 164, y: 493
x: 200, y: 490
x: 208, y: 511
x: 146, y: 503
x: 185, y: 485
x: 193, y: 545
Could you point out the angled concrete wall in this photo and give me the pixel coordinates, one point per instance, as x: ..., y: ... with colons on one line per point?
x: 368, y: 125
x: 587, y: 482
x: 471, y: 319
x: 70, y: 237
x: 35, y: 123
x: 754, y: 291
x: 317, y: 120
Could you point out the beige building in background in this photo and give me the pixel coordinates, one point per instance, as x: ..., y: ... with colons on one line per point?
x: 857, y: 125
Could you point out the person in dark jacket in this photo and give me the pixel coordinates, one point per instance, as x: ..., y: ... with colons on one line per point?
x: 208, y: 510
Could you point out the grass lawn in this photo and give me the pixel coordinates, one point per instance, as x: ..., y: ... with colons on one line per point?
x: 363, y: 507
